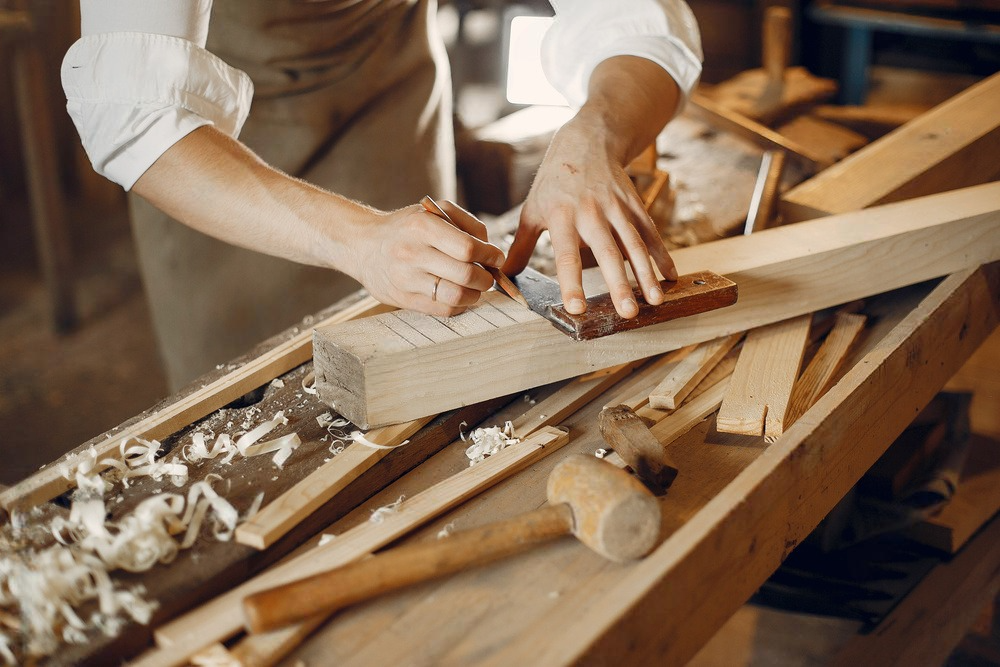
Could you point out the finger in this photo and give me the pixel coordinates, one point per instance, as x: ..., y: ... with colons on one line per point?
x: 634, y: 247
x: 462, y: 274
x: 657, y: 249
x: 464, y: 220
x: 460, y: 245
x: 609, y: 258
x: 569, y: 269
x: 521, y: 249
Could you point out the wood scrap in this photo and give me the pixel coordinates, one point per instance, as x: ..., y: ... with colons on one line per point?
x: 759, y: 392
x: 782, y: 272
x: 874, y: 121
x: 821, y: 371
x: 283, y: 513
x: 682, y: 420
x: 753, y: 94
x: 953, y: 145
x: 833, y: 141
x: 682, y: 376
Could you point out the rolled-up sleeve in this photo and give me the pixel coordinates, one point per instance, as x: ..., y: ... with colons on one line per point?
x: 587, y: 32
x: 133, y: 93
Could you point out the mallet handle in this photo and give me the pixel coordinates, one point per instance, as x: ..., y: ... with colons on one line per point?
x: 394, y: 569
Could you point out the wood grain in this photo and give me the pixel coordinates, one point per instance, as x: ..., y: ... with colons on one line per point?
x: 761, y: 387
x: 375, y: 377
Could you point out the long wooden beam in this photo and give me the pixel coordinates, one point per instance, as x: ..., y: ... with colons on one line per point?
x: 955, y: 144
x: 375, y: 372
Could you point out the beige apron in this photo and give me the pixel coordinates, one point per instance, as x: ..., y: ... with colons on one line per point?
x: 353, y: 95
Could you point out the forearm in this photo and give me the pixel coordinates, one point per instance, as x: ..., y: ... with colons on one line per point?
x: 629, y: 101
x: 216, y: 185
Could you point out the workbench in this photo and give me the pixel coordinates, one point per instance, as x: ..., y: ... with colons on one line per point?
x: 736, y: 510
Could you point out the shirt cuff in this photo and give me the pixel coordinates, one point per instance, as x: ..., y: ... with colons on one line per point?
x: 134, y: 95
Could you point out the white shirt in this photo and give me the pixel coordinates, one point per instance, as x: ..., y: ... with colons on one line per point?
x: 139, y: 79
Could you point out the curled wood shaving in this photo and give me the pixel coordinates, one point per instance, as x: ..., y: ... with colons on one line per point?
x: 488, y: 441
x: 359, y: 437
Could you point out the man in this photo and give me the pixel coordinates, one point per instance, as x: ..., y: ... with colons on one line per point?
x: 353, y: 96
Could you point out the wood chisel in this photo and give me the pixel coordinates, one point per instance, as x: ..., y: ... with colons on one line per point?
x: 690, y: 294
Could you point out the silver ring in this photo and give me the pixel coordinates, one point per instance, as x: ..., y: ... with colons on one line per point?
x: 434, y: 292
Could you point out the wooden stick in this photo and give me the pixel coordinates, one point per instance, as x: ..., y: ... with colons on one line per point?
x: 769, y: 363
x: 716, y: 114
x: 290, y: 508
x: 50, y: 482
x: 764, y: 201
x: 220, y: 618
x: 782, y: 272
x: 635, y: 394
x: 690, y: 414
x: 819, y: 374
x: 684, y: 375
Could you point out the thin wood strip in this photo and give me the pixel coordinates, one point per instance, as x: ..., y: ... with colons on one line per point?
x: 722, y: 371
x: 220, y: 618
x: 819, y: 374
x: 690, y: 414
x: 769, y: 363
x: 684, y: 375
x: 50, y: 482
x: 636, y: 394
x: 287, y: 510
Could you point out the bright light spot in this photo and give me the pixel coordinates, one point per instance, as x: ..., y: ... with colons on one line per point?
x: 526, y: 83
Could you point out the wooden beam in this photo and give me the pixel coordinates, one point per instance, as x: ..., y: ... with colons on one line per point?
x: 761, y: 387
x: 374, y: 376
x: 286, y: 511
x: 657, y: 612
x: 953, y: 145
x: 820, y: 372
x: 49, y: 482
x: 684, y: 375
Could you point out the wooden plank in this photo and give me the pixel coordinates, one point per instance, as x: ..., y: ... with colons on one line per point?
x: 953, y: 145
x: 286, y: 511
x: 221, y: 618
x: 782, y: 273
x: 758, y: 396
x: 684, y: 375
x: 753, y: 94
x: 822, y: 370
x: 656, y: 611
x: 49, y: 482
x: 684, y: 418
x: 833, y: 141
x: 976, y: 500
x: 930, y: 622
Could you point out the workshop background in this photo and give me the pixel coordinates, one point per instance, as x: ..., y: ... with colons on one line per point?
x: 77, y: 354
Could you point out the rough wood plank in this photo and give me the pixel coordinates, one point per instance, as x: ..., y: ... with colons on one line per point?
x: 753, y: 94
x: 684, y: 375
x: 953, y: 145
x: 49, y: 482
x: 782, y: 273
x: 820, y: 372
x: 831, y: 140
x: 658, y: 609
x: 286, y: 511
x: 929, y: 623
x: 758, y: 396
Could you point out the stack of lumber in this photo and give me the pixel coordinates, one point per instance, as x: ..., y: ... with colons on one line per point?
x: 831, y: 390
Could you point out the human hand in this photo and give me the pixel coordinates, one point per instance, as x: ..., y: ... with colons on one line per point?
x: 415, y: 259
x: 582, y: 195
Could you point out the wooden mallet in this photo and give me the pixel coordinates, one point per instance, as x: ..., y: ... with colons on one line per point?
x: 604, y: 507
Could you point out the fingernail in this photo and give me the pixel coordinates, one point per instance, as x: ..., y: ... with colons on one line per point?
x: 629, y: 308
x: 577, y: 306
x: 656, y: 295
x: 672, y: 273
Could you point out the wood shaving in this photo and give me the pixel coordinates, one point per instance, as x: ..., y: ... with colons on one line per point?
x: 378, y: 515
x: 447, y: 530
x: 359, y: 437
x: 324, y: 538
x: 283, y: 448
x: 488, y: 441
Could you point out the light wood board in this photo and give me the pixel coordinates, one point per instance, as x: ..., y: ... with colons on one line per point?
x: 375, y: 377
